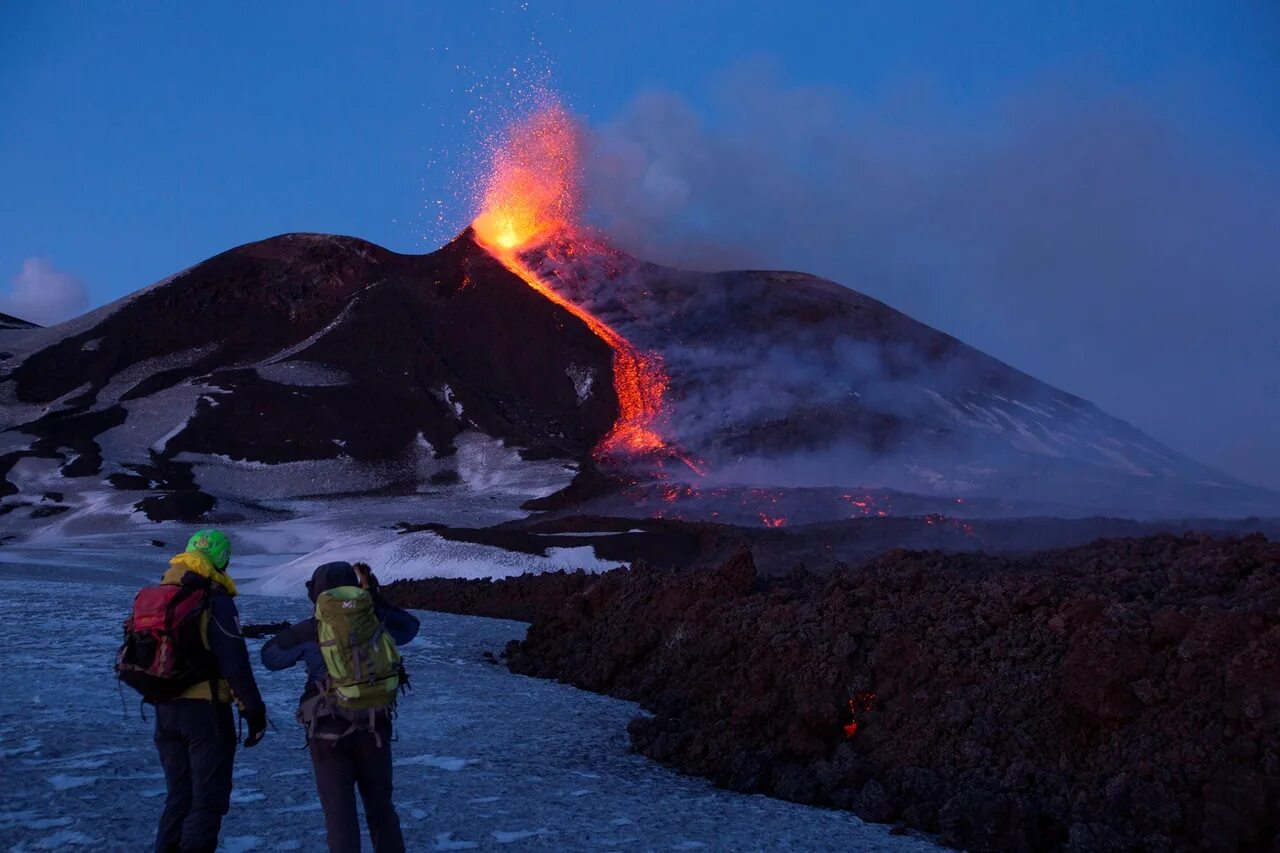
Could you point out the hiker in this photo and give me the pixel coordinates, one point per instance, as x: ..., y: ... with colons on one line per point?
x: 184, y: 652
x: 353, y: 677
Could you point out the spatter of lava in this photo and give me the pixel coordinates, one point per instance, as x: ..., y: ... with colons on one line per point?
x: 531, y: 196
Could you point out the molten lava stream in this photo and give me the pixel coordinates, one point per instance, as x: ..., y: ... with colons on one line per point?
x: 532, y: 194
x: 638, y: 380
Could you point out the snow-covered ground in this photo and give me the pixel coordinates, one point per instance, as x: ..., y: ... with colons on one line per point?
x: 279, y: 543
x: 485, y: 759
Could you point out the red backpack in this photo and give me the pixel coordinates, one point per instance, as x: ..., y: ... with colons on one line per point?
x: 163, y: 653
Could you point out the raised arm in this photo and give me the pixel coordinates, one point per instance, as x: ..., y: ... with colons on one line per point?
x: 289, y: 646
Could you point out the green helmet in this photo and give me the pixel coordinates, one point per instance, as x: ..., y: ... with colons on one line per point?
x: 214, y: 544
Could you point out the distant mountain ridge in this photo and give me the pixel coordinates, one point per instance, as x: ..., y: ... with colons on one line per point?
x: 8, y: 322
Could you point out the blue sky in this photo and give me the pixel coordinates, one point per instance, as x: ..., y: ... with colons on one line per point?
x: 137, y: 139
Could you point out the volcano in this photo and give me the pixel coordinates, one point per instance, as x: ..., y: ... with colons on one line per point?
x: 308, y: 365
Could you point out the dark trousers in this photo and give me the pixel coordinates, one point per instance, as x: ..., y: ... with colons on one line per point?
x: 357, y: 760
x: 197, y: 744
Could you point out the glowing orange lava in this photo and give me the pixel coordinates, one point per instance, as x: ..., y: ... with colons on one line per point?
x: 532, y: 187
x: 531, y: 195
x: 862, y: 703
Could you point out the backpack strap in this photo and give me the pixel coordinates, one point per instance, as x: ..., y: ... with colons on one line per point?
x: 357, y: 671
x: 184, y: 592
x: 312, y: 708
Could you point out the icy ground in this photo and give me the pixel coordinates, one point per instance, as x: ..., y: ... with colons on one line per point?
x: 279, y: 543
x: 485, y: 759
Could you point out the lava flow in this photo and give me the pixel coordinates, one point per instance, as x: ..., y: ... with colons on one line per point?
x: 531, y: 196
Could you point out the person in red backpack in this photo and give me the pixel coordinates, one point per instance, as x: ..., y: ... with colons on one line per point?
x: 195, y: 732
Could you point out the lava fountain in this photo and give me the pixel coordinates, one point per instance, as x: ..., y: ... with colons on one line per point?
x: 531, y: 195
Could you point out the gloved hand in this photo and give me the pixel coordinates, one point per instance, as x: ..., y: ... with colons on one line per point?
x: 367, y: 578
x: 257, y: 720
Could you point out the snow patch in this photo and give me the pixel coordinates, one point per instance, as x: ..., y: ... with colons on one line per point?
x: 399, y: 557
x: 151, y: 422
x: 1025, y: 439
x: 453, y: 765
x: 446, y: 396
x: 58, y: 841
x: 519, y: 835
x: 486, y: 464
x: 63, y: 782
x: 303, y: 374
x: 125, y: 380
x: 251, y: 480
x: 578, y: 557
x: 290, y: 352
x: 47, y: 823
x: 1121, y: 461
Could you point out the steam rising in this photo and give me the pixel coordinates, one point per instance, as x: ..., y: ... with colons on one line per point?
x: 1088, y: 243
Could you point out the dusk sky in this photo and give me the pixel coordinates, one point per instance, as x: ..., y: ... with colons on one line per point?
x: 1087, y: 191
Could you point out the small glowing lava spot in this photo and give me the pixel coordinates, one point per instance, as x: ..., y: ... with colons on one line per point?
x: 860, y: 704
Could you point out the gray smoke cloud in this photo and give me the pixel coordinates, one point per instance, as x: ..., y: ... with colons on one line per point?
x: 44, y: 295
x: 1088, y: 242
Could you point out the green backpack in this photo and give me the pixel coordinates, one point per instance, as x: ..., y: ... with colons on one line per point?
x: 365, y: 672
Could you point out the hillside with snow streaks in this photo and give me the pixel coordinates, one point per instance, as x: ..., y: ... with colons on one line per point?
x: 786, y: 379
x: 316, y: 367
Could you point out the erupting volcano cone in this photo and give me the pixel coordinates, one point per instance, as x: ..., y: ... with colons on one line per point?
x: 531, y: 195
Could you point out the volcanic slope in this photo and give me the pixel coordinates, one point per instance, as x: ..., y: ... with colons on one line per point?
x: 787, y: 379
x: 332, y: 363
x: 8, y: 322
x: 308, y: 365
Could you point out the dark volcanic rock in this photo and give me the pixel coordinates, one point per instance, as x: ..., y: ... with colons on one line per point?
x: 665, y: 544
x: 266, y: 629
x: 186, y: 505
x: 1123, y: 695
x: 523, y: 598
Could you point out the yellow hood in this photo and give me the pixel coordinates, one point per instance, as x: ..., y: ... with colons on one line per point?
x: 194, y: 561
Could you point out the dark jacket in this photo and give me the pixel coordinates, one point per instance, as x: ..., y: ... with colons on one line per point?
x: 231, y: 653
x: 221, y: 632
x: 301, y: 643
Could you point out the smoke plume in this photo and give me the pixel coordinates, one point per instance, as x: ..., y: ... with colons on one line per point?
x: 1092, y: 243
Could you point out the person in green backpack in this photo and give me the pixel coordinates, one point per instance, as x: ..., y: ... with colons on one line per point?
x: 354, y: 673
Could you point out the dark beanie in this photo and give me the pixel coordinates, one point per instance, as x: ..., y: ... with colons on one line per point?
x: 329, y: 576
